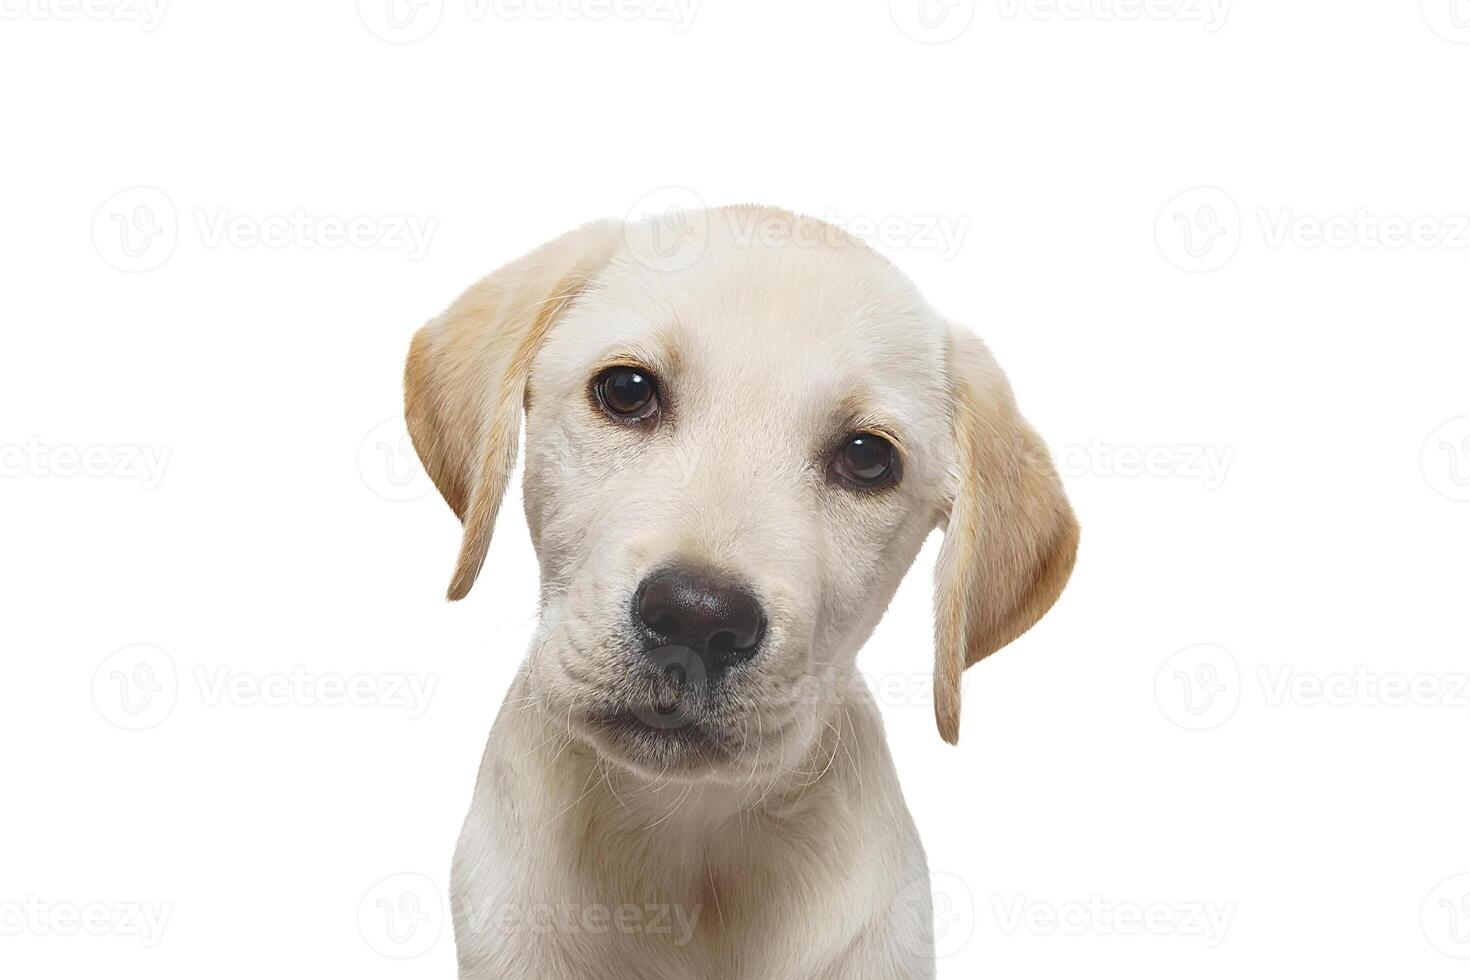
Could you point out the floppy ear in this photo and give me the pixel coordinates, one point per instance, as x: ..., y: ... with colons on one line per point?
x: 466, y: 378
x: 1011, y: 536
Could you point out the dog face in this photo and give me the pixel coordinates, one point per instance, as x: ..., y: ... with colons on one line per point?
x: 730, y: 465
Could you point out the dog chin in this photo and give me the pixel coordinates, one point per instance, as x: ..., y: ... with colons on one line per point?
x: 660, y: 743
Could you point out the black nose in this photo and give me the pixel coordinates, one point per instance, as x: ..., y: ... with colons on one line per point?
x: 716, y: 617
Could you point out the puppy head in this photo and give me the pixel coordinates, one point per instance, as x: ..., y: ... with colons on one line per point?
x: 730, y: 466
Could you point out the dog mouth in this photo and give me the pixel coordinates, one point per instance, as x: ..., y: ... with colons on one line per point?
x: 653, y: 725
x: 667, y: 716
x: 665, y: 739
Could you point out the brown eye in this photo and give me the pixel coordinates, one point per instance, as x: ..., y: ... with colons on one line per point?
x: 866, y: 460
x: 627, y: 393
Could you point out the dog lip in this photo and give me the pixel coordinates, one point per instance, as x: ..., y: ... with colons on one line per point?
x: 649, y: 722
x: 642, y: 736
x: 634, y: 734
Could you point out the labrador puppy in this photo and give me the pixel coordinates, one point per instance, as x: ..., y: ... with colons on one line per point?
x: 737, y: 439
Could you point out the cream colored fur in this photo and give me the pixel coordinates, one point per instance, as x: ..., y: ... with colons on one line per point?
x: 792, y: 854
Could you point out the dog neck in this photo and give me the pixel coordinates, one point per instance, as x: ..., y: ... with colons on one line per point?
x: 608, y: 807
x: 554, y: 823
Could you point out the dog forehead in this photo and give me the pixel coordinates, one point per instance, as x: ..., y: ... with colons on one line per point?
x: 765, y: 296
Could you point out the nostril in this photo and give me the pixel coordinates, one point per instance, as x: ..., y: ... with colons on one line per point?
x: 654, y: 609
x: 736, y: 640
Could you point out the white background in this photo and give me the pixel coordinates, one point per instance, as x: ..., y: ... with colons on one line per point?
x: 1249, y: 707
